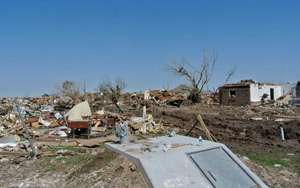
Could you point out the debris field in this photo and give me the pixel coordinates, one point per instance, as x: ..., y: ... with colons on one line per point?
x: 52, y: 141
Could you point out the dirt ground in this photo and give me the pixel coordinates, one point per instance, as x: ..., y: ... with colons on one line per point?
x: 252, y: 133
x: 97, y: 168
x: 237, y: 126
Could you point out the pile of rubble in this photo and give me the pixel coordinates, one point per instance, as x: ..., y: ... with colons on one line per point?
x: 145, y: 124
x: 158, y: 98
x: 21, y: 116
x: 177, y: 97
x: 60, y: 118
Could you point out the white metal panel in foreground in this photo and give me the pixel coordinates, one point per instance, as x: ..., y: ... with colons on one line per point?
x: 177, y: 162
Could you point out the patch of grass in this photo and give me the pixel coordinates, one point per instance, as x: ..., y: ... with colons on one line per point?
x: 62, y: 163
x: 273, y: 157
x: 95, y: 163
x: 77, y: 160
x: 83, y: 162
x: 267, y: 159
x: 69, y: 148
x: 46, y: 164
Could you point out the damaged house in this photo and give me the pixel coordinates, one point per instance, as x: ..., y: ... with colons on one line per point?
x: 295, y: 101
x: 249, y: 92
x: 298, y: 90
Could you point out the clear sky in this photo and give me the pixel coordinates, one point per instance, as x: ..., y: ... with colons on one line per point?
x: 44, y: 42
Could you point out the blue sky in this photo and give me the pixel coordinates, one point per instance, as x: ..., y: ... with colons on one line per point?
x: 44, y: 42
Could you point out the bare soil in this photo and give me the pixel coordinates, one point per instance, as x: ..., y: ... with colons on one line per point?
x: 102, y: 169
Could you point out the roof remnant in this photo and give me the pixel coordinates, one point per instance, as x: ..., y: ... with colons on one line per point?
x: 246, y: 83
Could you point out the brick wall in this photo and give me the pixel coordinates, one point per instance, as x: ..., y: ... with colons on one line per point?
x: 241, y: 97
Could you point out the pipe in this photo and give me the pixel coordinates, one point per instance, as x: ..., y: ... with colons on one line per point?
x: 282, y: 134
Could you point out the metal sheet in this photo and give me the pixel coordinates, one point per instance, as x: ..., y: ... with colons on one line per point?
x: 221, y: 169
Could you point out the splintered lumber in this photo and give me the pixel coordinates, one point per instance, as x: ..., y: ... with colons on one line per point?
x: 205, y: 129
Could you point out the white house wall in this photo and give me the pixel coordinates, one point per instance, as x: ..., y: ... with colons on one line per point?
x: 257, y: 91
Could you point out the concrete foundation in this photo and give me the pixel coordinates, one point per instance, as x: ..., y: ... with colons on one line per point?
x: 179, y: 161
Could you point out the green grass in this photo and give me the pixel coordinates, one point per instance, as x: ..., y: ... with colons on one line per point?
x: 273, y: 157
x: 267, y: 159
x: 82, y: 160
x: 95, y: 163
x: 69, y: 148
x: 62, y: 163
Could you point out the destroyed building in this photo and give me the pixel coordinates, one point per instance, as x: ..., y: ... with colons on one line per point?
x: 249, y: 92
x: 298, y: 90
x: 295, y: 101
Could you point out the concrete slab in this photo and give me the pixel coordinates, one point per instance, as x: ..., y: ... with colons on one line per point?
x: 177, y: 162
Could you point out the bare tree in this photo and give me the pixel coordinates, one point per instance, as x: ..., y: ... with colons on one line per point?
x: 69, y: 88
x: 113, y: 91
x: 198, y: 78
x: 230, y: 74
